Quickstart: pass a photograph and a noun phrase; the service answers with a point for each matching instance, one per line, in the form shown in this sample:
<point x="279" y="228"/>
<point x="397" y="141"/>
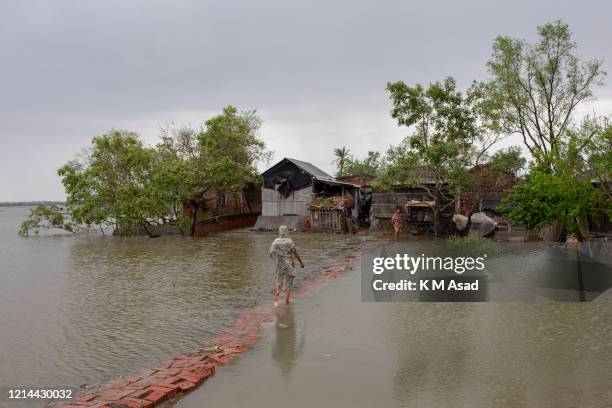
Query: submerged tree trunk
<point x="436" y="217"/>
<point x="145" y="226"/>
<point x="195" y="206"/>
<point x="583" y="232"/>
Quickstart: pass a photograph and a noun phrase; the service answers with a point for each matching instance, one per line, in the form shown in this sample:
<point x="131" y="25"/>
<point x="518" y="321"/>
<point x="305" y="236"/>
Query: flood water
<point x="334" y="350"/>
<point x="81" y="309"/>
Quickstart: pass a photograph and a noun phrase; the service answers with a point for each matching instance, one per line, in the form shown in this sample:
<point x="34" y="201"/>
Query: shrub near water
<point x="42" y="216"/>
<point x="472" y="245"/>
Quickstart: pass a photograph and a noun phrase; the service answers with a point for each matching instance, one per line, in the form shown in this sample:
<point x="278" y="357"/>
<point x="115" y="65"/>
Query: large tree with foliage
<point x="220" y="156"/>
<point x="121" y="183"/>
<point x="109" y="186"/>
<point x="538" y="87"/>
<point x="451" y="132"/>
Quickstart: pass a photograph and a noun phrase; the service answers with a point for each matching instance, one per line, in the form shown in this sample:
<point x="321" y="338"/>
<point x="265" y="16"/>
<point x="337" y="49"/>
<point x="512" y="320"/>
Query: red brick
<point x="187" y="376"/>
<point x="236" y="348"/>
<point x="87" y="397"/>
<point x="199" y="365"/>
<point x="101" y="404"/>
<point x="202" y="372"/>
<point x="119" y="394"/>
<point x="169" y="390"/>
<point x="129" y="402"/>
<point x="167" y="382"/>
<point x="219" y="358"/>
<point x="186" y="385"/>
<point x="136" y="403"/>
<point x="182" y="363"/>
<point x="144" y="382"/>
<point x="156" y="396"/>
<point x="140" y="393"/>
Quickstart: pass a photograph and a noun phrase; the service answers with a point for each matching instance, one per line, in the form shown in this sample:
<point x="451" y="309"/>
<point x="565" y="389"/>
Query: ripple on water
<point x="85" y="309"/>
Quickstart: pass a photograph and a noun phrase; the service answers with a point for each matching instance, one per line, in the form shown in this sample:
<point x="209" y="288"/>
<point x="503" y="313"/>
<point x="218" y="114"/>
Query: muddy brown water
<point x="85" y="309"/>
<point x="82" y="309"/>
<point x="332" y="350"/>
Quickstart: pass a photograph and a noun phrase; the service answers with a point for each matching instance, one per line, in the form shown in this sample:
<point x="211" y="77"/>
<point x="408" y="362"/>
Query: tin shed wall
<point x="274" y="204"/>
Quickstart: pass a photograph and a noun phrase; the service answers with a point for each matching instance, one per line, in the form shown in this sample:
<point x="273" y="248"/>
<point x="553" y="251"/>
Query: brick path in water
<point x="187" y="371"/>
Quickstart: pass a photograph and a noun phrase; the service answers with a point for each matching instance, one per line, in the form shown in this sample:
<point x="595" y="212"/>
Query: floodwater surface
<point x="86" y="308"/>
<point x="333" y="350"/>
<point x="83" y="309"/>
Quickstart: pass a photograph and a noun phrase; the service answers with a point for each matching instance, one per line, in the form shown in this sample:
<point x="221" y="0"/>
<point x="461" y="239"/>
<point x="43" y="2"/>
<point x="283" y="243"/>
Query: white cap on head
<point x="283" y="231"/>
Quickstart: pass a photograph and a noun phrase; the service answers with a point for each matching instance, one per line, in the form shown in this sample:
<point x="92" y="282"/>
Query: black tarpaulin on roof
<point x="286" y="177"/>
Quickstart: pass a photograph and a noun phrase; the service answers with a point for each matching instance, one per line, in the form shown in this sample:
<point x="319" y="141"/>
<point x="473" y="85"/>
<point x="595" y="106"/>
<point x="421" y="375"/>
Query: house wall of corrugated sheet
<point x="274" y="204"/>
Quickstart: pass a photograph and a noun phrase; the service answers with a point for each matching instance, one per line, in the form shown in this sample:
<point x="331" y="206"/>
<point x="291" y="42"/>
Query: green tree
<point x="546" y="198"/>
<point x="578" y="191"/>
<point x="371" y="164"/>
<point x="596" y="151"/>
<point x="110" y="185"/>
<point x="177" y="170"/>
<point x="450" y="134"/>
<point x="508" y="162"/>
<point x="537" y="87"/>
<point x="124" y="184"/>
<point x="342" y="156"/>
<point x="228" y="150"/>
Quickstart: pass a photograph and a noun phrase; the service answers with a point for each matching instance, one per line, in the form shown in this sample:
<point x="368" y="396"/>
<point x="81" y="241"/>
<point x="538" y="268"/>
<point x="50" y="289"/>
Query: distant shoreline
<point x="30" y="203"/>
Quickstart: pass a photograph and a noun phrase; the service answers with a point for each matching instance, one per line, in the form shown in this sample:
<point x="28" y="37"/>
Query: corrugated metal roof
<point x="310" y="168"/>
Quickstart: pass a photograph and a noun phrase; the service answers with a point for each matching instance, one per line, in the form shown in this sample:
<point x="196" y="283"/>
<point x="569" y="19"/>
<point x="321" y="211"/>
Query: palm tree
<point x="342" y="157"/>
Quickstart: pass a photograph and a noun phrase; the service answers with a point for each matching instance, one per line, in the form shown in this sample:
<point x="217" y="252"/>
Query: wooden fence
<point x="326" y="219"/>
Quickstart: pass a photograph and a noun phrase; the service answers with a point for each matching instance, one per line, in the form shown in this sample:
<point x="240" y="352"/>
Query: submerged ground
<point x="332" y="350"/>
<point x="84" y="309"/>
<point x="87" y="309"/>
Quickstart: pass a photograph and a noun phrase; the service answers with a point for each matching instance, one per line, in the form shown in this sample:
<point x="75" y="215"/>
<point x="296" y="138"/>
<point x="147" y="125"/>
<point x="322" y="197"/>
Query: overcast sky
<point x="315" y="70"/>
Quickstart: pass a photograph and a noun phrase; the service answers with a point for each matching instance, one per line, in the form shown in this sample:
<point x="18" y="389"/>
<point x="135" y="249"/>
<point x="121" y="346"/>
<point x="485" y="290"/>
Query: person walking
<point x="283" y="251"/>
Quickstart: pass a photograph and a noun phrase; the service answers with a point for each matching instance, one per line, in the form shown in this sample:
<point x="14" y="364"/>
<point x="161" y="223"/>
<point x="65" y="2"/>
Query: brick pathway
<point x="186" y="371"/>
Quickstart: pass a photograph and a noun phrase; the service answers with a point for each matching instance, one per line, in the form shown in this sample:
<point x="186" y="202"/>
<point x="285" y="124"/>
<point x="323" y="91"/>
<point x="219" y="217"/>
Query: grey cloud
<point x="316" y="70"/>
